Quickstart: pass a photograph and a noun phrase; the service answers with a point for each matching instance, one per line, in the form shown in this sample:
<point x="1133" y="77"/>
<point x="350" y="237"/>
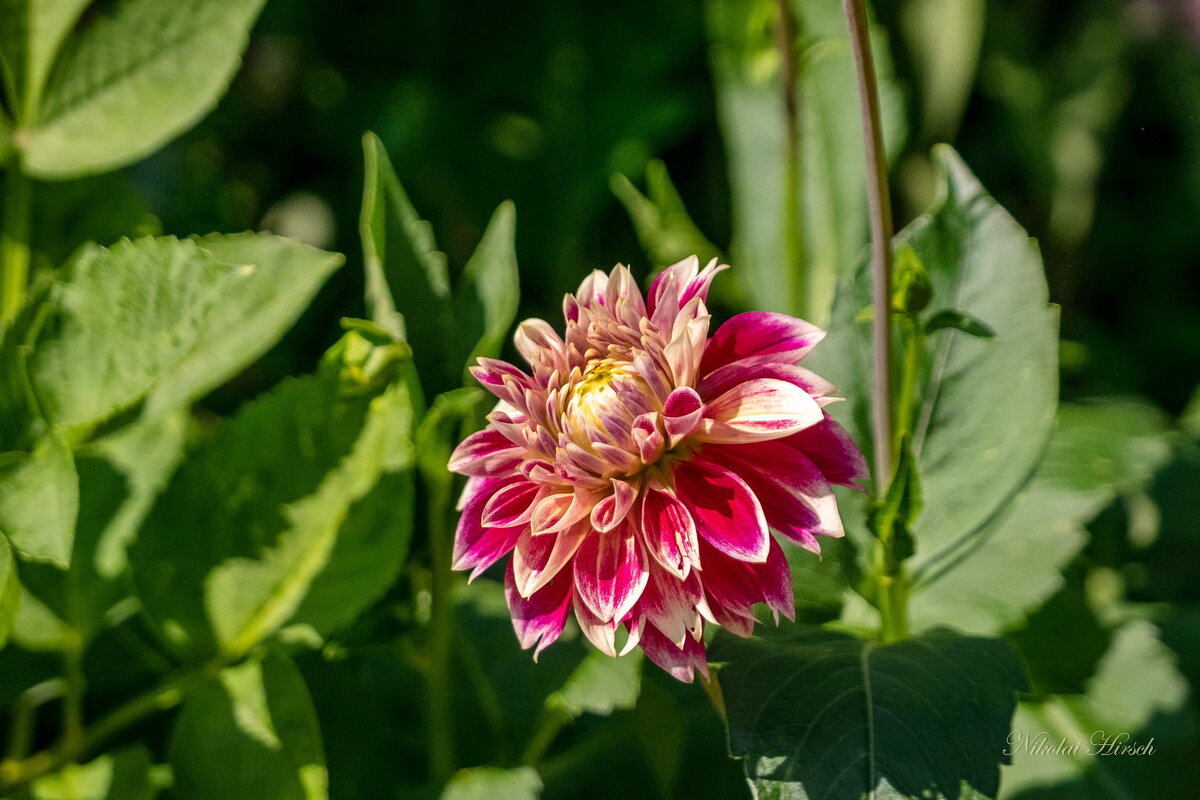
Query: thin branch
<point x="881" y="240"/>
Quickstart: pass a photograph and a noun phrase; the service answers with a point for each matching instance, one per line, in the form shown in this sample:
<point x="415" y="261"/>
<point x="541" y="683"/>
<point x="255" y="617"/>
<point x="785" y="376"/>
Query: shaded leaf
<point x="818" y="714"/>
<point x="10" y="590"/>
<point x="31" y="33"/>
<point x="962" y="321"/>
<point x="140" y="73"/>
<point x="1096" y="451"/>
<point x="251" y="732"/>
<point x="983" y="410"/>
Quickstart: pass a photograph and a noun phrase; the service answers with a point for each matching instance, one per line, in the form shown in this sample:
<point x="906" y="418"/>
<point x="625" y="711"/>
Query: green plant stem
<point x="73" y="730"/>
<point x="441" y="639"/>
<point x="893" y="604"/>
<point x="14" y="242"/>
<point x="15" y="774"/>
<point x="880" y="208"/>
<point x="914" y="346"/>
<point x="785" y="43"/>
<point x="552" y="722"/>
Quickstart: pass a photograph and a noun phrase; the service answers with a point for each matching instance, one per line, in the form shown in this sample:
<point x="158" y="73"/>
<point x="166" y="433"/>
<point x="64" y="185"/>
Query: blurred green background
<point x="1082" y="117"/>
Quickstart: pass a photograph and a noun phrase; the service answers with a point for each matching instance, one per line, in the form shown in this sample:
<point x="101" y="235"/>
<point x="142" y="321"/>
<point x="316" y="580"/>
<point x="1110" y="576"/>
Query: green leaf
<point x="1098" y="450"/>
<point x="31" y="33"/>
<point x="660" y="219"/>
<point x="983" y="410"/>
<point x="251" y="732"/>
<point x="600" y="685"/>
<point x="10" y="590"/>
<point x="961" y="321"/>
<point x="249" y="522"/>
<point x="137" y="75"/>
<point x="406" y="274"/>
<point x="493" y="783"/>
<point x="1137" y="690"/>
<point x="829" y="228"/>
<point x="119" y="478"/>
<point x="39" y="500"/>
<point x="204" y="309"/>
<point x="125" y="774"/>
<point x="818" y="714"/>
<point x="486" y="298"/>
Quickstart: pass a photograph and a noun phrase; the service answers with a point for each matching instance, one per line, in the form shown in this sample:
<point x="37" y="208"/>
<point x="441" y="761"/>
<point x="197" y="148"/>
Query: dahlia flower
<point x="635" y="471"/>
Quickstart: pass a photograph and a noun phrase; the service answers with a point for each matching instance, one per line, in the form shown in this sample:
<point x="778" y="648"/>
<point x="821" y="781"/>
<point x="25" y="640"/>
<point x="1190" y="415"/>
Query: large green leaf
<point x="493" y="783"/>
<point x="1097" y="451"/>
<point x="250" y="734"/>
<point x="31" y="32"/>
<point x="1137" y="690"/>
<point x="137" y="75"/>
<point x="406" y="274"/>
<point x="39" y="500"/>
<point x="983" y="409"/>
<point x="818" y="714"/>
<point x="830" y="222"/>
<point x="600" y="685"/>
<point x="249" y="522"/>
<point x="164" y="320"/>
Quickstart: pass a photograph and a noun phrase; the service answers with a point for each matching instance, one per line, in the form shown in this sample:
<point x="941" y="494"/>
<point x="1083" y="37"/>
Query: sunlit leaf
<point x="39" y="500"/>
<point x="493" y="783"/>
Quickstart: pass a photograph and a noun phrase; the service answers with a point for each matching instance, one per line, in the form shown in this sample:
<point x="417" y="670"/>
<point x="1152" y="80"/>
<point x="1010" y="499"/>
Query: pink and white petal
<point x="760" y="334"/>
<point x="485" y="453"/>
<point x="647" y="437"/>
<point x="611" y="572"/>
<point x="667" y="288"/>
<point x="557" y="512"/>
<point x="475" y="496"/>
<point x="727" y="514"/>
<point x="538" y="559"/>
<point x="670" y="605"/>
<point x="829" y="446"/>
<point x="538" y="619"/>
<point x="727" y="377"/>
<point x="679" y="662"/>
<point x="602" y="635"/>
<point x="795" y="496"/>
<point x="733" y="587"/>
<point x="612" y="510"/>
<point x="681" y="414"/>
<point x="758" y="410"/>
<point x="511" y="505"/>
<point x="669" y="532"/>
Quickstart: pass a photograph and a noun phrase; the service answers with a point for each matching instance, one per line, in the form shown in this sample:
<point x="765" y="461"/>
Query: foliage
<point x="225" y="518"/>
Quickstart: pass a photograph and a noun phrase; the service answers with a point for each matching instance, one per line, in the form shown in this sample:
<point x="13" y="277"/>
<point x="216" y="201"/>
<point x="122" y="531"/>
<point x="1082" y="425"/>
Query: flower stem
<point x="441" y="641"/>
<point x="14" y="243"/>
<point x="881" y="240"/>
<point x="785" y="42"/>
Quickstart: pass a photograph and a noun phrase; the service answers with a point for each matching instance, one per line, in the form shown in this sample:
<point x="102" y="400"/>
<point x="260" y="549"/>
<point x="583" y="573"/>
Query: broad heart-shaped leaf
<point x="494" y="783"/>
<point x="1096" y="451"/>
<point x="162" y="321"/>
<point x="39" y="500"/>
<point x="10" y="590"/>
<point x="251" y="732"/>
<point x="830" y="221"/>
<point x="1137" y="690"/>
<point x="252" y="519"/>
<point x="138" y="74"/>
<point x="486" y="298"/>
<point x="819" y="715"/>
<point x="406" y="274"/>
<point x="984" y="409"/>
<point x="125" y="774"/>
<point x="31" y="32"/>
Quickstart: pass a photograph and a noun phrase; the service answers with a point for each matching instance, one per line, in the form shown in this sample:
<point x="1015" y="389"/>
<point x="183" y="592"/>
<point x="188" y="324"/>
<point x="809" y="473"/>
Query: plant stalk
<point x="880" y="209"/>
<point x="785" y="43"/>
<point x="14" y="243"/>
<point x="441" y="641"/>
